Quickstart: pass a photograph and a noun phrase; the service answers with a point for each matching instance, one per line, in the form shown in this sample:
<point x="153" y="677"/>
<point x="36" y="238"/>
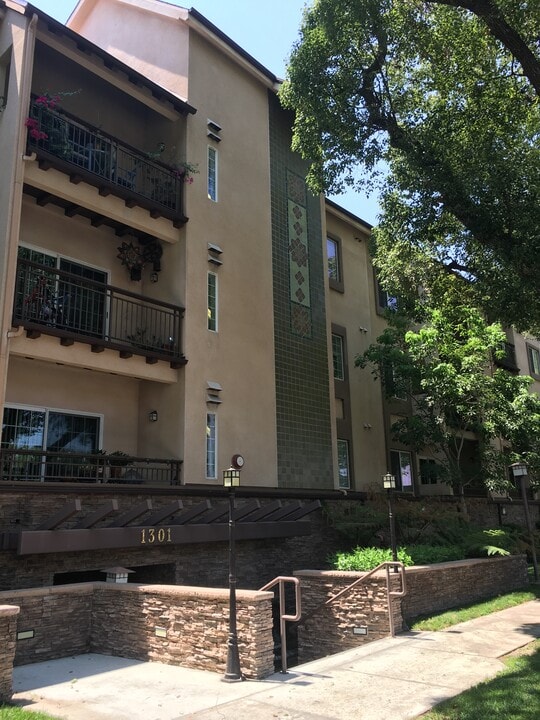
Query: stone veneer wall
<point x="116" y="619"/>
<point x="433" y="588"/>
<point x="430" y="588"/>
<point x="304" y="432"/>
<point x="200" y="564"/>
<point x="8" y="629"/>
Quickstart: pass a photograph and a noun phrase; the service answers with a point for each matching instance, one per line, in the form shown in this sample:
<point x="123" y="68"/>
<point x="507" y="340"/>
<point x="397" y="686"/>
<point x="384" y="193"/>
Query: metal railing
<point x="283" y="617"/>
<point x="56" y="302"/>
<point x="390" y="594"/>
<point x="104" y="156"/>
<point x="42" y="466"/>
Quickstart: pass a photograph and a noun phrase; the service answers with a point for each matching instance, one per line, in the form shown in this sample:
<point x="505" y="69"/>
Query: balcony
<point x="37" y="465"/>
<point x="85" y="153"/>
<point x="54" y="302"/>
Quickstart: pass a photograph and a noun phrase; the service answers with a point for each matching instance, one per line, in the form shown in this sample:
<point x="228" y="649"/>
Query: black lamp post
<point x="389" y="484"/>
<point x="519" y="471"/>
<point x="231" y="480"/>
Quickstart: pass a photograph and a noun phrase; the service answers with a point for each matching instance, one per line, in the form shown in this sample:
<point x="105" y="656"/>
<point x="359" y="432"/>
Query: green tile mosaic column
<point x="302" y="384"/>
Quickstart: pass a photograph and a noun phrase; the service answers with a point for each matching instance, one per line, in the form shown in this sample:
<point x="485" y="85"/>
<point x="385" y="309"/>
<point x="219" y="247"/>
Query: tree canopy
<point x="447" y="94"/>
<point x="447" y="374"/>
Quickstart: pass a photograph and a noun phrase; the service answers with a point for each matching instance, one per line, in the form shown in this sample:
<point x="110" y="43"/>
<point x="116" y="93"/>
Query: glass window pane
<point x="334" y="271"/>
<point x="72" y="433"/>
<point x="211" y="442"/>
<point x="212" y="174"/>
<point x="212" y="302"/>
<point x="343" y="464"/>
<point x="337" y="355"/>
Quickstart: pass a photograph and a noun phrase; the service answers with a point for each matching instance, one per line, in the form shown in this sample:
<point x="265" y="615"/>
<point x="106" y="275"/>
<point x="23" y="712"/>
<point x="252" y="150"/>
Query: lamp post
<point x="231" y="480"/>
<point x="519" y="470"/>
<point x="389" y="484"/>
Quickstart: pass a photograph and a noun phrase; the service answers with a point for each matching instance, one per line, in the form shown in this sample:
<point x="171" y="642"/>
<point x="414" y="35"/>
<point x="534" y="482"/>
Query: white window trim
<point x="63" y="411"/>
<point x="211" y="149"/>
<point x="216" y="308"/>
<point x="214" y="476"/>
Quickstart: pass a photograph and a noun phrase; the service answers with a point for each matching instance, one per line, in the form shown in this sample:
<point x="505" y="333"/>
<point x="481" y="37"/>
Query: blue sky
<point x="266" y="30"/>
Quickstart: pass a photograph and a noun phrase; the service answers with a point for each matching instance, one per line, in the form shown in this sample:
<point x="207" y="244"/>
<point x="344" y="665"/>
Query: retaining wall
<point x="361" y="615"/>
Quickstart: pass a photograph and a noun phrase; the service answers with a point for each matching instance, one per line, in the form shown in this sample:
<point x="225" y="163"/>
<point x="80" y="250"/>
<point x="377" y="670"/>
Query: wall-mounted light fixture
<point x="153" y="415"/>
<point x="154" y="277"/>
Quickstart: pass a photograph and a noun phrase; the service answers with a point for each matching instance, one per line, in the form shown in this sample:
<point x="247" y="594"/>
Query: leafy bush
<point x="367" y="558"/>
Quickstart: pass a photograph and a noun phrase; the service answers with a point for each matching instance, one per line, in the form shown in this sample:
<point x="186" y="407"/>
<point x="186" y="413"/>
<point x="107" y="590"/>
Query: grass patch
<point x="475" y="610"/>
<point x="513" y="695"/>
<point x="11" y="712"/>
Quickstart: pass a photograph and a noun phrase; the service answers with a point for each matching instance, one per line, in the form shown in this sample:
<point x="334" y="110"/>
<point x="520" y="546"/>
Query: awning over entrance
<point x="71" y="529"/>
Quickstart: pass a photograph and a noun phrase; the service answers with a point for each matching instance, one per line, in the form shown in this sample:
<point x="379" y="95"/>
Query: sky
<point x="266" y="30"/>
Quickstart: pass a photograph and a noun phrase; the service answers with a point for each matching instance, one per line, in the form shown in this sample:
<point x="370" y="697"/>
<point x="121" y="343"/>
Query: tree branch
<point x="500" y="28"/>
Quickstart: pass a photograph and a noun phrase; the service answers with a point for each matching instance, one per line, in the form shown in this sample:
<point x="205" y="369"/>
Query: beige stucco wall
<point x="354" y="310"/>
<point x="240" y="356"/>
<point x="16" y="43"/>
<point x="39" y="384"/>
<point x="147" y="36"/>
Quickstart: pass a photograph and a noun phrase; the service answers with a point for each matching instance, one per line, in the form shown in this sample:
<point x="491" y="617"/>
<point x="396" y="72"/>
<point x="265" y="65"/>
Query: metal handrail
<point x="57" y="302"/>
<point x="399" y="567"/>
<point x="283" y="617"/>
<point x="43" y="466"/>
<point x="94" y="151"/>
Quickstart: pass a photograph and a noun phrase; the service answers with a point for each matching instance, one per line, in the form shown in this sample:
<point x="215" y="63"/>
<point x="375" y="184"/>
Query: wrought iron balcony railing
<point x="54" y="302"/>
<point x="107" y="163"/>
<point x="38" y="465"/>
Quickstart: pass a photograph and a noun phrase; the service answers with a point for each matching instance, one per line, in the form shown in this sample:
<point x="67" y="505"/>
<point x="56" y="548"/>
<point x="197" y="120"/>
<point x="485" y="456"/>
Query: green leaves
<point x="448" y="98"/>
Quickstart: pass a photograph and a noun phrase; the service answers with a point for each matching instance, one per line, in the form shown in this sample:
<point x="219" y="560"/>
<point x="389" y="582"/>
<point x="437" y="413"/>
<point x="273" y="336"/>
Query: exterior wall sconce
<point x="153" y="415"/>
<point x="154" y="277"/>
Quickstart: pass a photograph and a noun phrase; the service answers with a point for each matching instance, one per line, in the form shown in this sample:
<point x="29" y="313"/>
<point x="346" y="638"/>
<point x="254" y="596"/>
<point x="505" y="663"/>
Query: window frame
<point x="336" y="283"/>
<point x="341" y="339"/>
<point x="209" y="307"/>
<point x="212" y="173"/>
<point x="344" y="443"/>
<point x="398" y="476"/>
<point x="531" y="351"/>
<point x="211" y="452"/>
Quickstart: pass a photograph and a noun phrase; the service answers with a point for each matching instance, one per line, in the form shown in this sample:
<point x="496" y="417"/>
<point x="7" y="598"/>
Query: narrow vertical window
<point x="211" y="446"/>
<point x="343" y="464"/>
<point x="337" y="355"/>
<point x="335" y="274"/>
<point x="212" y="301"/>
<point x="5" y="66"/>
<point x="212" y="173"/>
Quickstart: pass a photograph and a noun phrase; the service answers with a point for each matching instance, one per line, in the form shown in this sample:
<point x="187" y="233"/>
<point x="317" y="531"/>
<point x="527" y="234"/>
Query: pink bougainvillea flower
<point x="31" y="123"/>
<point x="42" y="100"/>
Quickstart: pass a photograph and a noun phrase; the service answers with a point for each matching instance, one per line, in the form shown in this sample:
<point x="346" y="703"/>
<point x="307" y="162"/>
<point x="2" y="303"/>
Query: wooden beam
<point x="60" y="516"/>
<point x="132" y="514"/>
<point x="265" y="510"/>
<point x="102" y="512"/>
<point x="40" y="542"/>
<point x="165" y="512"/>
<point x="192" y="512"/>
<point x="286" y="510"/>
<point x="304" y="510"/>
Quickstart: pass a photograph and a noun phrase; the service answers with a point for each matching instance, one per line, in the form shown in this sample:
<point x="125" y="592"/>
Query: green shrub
<point x="367" y="558"/>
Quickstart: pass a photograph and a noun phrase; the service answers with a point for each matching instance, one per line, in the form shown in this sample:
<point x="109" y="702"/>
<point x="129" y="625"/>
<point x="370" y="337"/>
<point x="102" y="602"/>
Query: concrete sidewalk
<point x="391" y="679"/>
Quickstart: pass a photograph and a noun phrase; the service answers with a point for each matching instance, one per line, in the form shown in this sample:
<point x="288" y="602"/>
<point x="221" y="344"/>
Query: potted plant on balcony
<point x="117" y="460"/>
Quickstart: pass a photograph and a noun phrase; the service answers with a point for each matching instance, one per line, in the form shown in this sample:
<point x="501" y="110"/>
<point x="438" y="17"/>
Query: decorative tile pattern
<point x="304" y="430"/>
<point x="298" y="255"/>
